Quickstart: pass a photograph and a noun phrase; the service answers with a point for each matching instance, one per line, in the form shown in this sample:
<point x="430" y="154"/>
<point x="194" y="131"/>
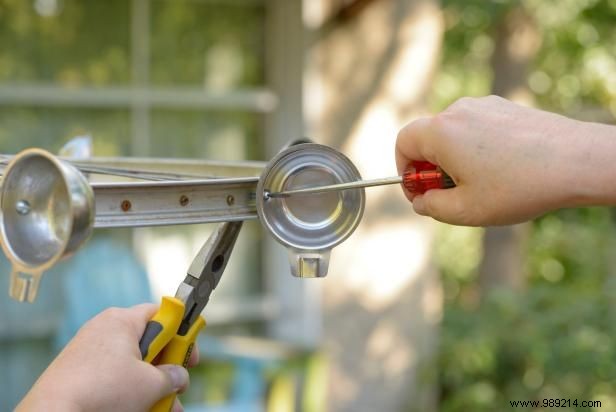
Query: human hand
<point x="101" y="369"/>
<point x="510" y="163"/>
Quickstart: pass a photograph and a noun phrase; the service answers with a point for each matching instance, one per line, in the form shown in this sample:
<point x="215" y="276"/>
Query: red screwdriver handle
<point x="421" y="176"/>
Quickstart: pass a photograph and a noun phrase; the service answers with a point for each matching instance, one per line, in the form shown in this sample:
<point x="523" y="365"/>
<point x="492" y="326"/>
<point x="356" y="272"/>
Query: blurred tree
<point x="516" y="42"/>
<point x="362" y="84"/>
<point x="554" y="339"/>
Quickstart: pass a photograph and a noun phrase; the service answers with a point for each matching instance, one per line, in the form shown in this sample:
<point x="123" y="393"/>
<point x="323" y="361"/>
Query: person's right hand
<point x="101" y="369"/>
<point x="510" y="163"/>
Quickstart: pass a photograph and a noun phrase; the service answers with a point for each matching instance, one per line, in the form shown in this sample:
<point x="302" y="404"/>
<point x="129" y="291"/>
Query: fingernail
<point x="178" y="376"/>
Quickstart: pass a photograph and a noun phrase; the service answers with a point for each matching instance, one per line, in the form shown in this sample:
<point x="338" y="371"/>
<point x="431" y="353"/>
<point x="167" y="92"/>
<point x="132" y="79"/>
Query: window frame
<point x="291" y="307"/>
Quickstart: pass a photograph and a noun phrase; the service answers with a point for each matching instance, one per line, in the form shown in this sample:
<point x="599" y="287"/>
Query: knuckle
<point x="411" y="128"/>
<point x="461" y="104"/>
<point x="109" y="315"/>
<point x="402" y="134"/>
<point x="440" y="122"/>
<point x="445" y="126"/>
<point x="112" y="313"/>
<point x="492" y="98"/>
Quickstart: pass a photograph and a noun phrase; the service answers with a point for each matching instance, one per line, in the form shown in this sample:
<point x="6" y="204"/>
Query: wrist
<point x="51" y="398"/>
<point x="590" y="173"/>
<point x="50" y="402"/>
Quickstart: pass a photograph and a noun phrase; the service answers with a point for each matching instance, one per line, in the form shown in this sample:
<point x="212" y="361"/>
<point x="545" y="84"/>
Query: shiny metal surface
<point x="309" y="226"/>
<point x="136" y="204"/>
<point x="157" y="169"/>
<point x="49" y="208"/>
<point x="338" y="187"/>
<point x="47" y="212"/>
<point x="205" y="272"/>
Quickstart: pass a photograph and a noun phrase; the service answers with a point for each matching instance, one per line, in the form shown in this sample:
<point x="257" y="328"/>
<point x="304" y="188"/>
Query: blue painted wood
<point x="232" y="406"/>
<point x="26" y="335"/>
<point x="103" y="275"/>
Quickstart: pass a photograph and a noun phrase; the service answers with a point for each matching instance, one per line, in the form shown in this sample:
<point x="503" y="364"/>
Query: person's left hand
<point x="101" y="369"/>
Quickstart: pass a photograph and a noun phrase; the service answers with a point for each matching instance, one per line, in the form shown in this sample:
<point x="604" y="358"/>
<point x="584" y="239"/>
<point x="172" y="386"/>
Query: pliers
<point x="170" y="335"/>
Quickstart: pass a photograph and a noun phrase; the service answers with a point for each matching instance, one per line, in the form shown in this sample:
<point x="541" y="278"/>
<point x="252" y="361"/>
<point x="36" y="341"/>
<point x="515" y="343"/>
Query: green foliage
<point x="458" y="252"/>
<point x="573" y="72"/>
<point x="575" y="69"/>
<point x="556" y="338"/>
<point x="89" y="43"/>
<point x="233" y="51"/>
<point x="77" y="43"/>
<point x="553" y="340"/>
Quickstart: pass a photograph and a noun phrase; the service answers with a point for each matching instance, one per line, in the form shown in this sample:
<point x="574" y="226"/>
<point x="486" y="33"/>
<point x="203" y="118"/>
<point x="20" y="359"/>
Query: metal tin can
<point x="309" y="225"/>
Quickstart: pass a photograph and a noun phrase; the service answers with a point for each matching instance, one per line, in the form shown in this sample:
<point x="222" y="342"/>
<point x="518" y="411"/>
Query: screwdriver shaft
<point x="340" y="186"/>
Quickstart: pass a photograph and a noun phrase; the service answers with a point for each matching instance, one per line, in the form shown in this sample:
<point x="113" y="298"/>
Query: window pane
<point x="212" y="44"/>
<point x="68" y="42"/>
<point x="49" y="128"/>
<point x="206" y="135"/>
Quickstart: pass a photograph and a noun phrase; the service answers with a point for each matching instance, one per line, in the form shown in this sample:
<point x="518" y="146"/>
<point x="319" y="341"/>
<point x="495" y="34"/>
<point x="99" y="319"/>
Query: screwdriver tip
<point x="269" y="195"/>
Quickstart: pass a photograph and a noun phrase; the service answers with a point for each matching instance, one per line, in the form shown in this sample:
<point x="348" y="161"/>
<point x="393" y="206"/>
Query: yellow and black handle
<point x="161" y="344"/>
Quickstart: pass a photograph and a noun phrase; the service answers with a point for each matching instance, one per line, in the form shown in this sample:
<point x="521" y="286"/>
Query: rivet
<point x="22" y="207"/>
<point x="184" y="200"/>
<point x="126" y="205"/>
<point x="230" y="200"/>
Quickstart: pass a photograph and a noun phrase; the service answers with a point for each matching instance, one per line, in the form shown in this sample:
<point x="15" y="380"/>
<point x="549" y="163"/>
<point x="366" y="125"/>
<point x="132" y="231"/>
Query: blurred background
<point x="414" y="315"/>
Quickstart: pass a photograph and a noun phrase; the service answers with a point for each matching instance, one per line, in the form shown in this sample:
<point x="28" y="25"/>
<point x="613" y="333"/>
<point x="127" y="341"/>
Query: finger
<point x="139" y="316"/>
<point x="194" y="357"/>
<point x="177" y="406"/>
<point x="157" y="382"/>
<point x="410" y="196"/>
<point x="174" y="378"/>
<point x="413" y="143"/>
<point x="169" y="379"/>
<point x="444" y="205"/>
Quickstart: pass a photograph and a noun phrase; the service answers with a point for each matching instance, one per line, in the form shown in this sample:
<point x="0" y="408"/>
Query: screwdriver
<point x="418" y="178"/>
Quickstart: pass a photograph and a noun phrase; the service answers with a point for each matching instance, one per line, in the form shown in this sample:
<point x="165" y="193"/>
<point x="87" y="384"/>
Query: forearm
<point x="590" y="176"/>
<point x="41" y="398"/>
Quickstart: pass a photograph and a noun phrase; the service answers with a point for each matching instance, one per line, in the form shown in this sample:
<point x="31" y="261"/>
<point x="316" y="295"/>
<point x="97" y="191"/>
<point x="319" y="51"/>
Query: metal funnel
<point x="47" y="212"/>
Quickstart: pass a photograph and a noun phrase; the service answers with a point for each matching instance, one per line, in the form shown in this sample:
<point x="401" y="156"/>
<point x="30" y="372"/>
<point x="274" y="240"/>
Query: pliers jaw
<point x="205" y="272"/>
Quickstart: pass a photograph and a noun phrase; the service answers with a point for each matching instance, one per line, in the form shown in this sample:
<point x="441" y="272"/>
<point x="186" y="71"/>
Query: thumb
<point x="164" y="380"/>
<point x="177" y="376"/>
<point x="444" y="205"/>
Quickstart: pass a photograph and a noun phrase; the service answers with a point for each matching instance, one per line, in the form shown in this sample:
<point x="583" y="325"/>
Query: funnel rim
<point x="18" y="263"/>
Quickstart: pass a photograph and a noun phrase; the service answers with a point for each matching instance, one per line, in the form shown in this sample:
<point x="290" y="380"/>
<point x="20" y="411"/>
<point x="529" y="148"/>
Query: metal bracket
<point x="174" y="203"/>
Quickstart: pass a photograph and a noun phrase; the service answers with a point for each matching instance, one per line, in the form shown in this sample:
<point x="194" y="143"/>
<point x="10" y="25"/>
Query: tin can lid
<point x="315" y="222"/>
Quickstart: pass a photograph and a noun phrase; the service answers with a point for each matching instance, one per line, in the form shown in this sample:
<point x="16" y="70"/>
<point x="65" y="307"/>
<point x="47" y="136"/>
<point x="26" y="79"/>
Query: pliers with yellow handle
<point x="170" y="335"/>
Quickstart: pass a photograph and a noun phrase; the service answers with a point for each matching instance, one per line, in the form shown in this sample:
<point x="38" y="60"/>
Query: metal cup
<point x="47" y="211"/>
<point x="309" y="225"/>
